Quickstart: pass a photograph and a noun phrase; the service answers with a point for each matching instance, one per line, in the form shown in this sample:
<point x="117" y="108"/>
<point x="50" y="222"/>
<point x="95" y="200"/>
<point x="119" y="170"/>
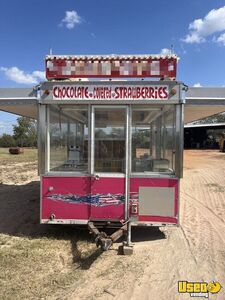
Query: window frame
<point x="176" y="160"/>
<point x="72" y="173"/>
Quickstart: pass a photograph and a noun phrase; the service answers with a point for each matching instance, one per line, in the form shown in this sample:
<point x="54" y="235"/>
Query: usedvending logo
<point x="199" y="289"/>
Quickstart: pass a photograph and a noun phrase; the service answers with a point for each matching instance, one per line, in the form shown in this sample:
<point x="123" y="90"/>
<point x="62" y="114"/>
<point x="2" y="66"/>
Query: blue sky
<point x="28" y="28"/>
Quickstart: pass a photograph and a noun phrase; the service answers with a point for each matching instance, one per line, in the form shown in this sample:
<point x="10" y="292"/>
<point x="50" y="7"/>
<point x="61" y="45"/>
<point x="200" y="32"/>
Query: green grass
<point x="29" y="155"/>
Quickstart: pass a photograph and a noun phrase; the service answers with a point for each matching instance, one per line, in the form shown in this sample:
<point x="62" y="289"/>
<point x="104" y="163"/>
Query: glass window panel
<point x="110" y="139"/>
<point x="68" y="130"/>
<point x="153" y="139"/>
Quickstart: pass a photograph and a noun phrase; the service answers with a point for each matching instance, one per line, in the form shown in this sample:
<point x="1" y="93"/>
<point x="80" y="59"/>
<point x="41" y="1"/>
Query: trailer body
<point x="110" y="151"/>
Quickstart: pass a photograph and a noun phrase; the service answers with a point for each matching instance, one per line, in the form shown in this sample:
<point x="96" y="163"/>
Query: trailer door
<point x="66" y="184"/>
<point x="108" y="162"/>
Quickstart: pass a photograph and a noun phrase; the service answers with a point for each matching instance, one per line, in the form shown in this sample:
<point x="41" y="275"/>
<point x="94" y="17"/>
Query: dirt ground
<point x="61" y="262"/>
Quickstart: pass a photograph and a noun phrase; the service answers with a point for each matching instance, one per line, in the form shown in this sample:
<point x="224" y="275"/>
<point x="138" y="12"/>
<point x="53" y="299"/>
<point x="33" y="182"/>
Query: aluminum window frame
<point x="61" y="173"/>
<point x="177" y="139"/>
<point x="107" y="174"/>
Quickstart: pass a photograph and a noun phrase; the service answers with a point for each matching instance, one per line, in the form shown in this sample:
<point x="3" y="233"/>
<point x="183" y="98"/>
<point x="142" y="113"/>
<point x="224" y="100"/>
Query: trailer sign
<point x="110" y="92"/>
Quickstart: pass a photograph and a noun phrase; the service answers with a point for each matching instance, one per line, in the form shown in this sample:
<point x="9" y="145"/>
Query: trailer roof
<point x="202" y="102"/>
<point x="113" y="56"/>
<point x="19" y="101"/>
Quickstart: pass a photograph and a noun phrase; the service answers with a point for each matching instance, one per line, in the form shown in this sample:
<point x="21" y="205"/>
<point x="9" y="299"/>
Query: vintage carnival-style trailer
<point x="110" y="150"/>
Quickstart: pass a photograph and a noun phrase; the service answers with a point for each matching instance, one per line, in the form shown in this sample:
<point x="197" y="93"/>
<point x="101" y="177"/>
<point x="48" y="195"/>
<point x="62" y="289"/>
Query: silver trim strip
<point x="110" y="102"/>
<point x="47" y="166"/>
<point x="204" y="98"/>
<point x="92" y="139"/>
<point x="152" y="175"/>
<point x="101" y="174"/>
<point x="89" y="139"/>
<point x="65" y="174"/>
<point x="156" y="224"/>
<point x="64" y="221"/>
<point x="127" y="165"/>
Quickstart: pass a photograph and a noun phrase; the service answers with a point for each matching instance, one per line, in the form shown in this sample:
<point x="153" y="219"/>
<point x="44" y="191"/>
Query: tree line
<point x="219" y="118"/>
<point x="24" y="134"/>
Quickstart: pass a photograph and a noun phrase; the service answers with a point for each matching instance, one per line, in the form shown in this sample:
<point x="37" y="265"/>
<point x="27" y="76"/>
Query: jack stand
<point x="127" y="247"/>
<point x="102" y="239"/>
<point x="129" y="233"/>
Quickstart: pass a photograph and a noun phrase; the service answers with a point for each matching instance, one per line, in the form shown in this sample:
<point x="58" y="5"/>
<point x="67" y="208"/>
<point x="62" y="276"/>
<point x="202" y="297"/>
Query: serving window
<point x="151" y="130"/>
<point x="110" y="139"/>
<point x="153" y="139"/>
<point x="68" y="135"/>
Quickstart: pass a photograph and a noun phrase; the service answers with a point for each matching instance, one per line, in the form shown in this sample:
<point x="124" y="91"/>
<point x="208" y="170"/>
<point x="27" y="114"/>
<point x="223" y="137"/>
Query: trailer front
<point x="110" y="152"/>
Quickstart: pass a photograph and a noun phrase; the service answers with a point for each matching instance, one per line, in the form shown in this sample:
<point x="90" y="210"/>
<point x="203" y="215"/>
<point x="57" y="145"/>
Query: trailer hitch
<point x="102" y="239"/>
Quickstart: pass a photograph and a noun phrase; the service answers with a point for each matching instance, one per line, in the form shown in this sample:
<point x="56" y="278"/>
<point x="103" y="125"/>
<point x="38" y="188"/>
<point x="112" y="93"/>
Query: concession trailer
<point x="110" y="142"/>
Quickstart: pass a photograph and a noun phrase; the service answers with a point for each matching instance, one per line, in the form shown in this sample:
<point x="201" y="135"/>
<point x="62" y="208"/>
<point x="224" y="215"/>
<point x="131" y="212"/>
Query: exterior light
<point x="173" y="91"/>
<point x="46" y="92"/>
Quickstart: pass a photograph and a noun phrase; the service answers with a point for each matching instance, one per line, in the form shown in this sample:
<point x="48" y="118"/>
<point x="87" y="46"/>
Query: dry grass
<point x="36" y="261"/>
<point x="216" y="187"/>
<point x="38" y="268"/>
<point x="29" y="155"/>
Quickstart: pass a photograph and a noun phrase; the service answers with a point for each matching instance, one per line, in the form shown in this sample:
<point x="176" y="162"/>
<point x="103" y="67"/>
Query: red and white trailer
<point x="110" y="151"/>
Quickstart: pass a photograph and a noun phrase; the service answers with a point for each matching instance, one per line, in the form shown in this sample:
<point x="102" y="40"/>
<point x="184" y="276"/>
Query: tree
<point x="25" y="133"/>
<point x="219" y="118"/>
<point x="32" y="134"/>
<point x="7" y="141"/>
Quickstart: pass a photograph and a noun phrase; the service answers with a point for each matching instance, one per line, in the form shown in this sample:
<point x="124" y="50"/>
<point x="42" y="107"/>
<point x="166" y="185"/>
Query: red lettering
<point x="117" y="93"/>
<point x="143" y="93"/>
<point x="71" y="92"/>
<point x="146" y="92"/>
<point x="67" y="92"/>
<point x="151" y="93"/>
<point x="129" y="93"/>
<point x="55" y="90"/>
<point x="86" y="93"/>
<point x="102" y="92"/>
<point x="63" y="92"/>
<point x="165" y="92"/>
<point x="121" y="92"/>
<point x="160" y="93"/>
<point x="138" y="93"/>
<point x="125" y="93"/>
<point x="156" y="93"/>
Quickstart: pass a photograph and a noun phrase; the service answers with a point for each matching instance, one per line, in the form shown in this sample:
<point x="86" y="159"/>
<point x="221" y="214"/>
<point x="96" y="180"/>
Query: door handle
<point x="96" y="177"/>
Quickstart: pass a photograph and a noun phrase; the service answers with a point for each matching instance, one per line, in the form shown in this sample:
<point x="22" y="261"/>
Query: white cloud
<point x="39" y="74"/>
<point x="71" y="19"/>
<point x="221" y="39"/>
<point x="6" y="127"/>
<point x="19" y="76"/>
<point x="197" y="85"/>
<point x="165" y="51"/>
<point x="212" y="23"/>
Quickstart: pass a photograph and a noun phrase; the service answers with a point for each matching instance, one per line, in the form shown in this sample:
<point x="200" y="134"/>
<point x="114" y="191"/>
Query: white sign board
<point x="110" y="92"/>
